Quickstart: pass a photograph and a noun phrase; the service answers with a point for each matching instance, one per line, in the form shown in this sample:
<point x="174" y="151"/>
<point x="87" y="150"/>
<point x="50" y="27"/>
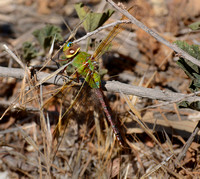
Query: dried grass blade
<point x="30" y="141"/>
<point x="157" y="167"/>
<point x="14" y="56"/>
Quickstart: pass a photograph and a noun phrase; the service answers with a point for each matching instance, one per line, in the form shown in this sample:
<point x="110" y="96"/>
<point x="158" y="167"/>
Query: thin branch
<point x="189" y="142"/>
<point x="100" y="29"/>
<point x="111" y="86"/>
<point x="115" y="86"/>
<point x="154" y="34"/>
<point x="173" y="101"/>
<point x="17" y="107"/>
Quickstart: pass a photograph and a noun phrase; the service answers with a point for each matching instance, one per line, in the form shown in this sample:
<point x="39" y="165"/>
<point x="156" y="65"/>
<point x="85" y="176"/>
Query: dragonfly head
<point x="71" y="49"/>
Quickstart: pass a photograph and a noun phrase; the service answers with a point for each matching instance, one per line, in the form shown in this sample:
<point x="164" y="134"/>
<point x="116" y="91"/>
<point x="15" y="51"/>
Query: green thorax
<point x="83" y="64"/>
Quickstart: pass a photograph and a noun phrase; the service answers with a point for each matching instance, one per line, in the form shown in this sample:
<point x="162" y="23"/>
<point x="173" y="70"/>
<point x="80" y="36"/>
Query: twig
<point x="100" y="29"/>
<point x="173" y="101"/>
<point x="154" y="34"/>
<point x="189" y="142"/>
<point x="114" y="86"/>
<point x="14" y="56"/>
<point x="17" y="107"/>
<point x="15" y="129"/>
<point x="111" y="86"/>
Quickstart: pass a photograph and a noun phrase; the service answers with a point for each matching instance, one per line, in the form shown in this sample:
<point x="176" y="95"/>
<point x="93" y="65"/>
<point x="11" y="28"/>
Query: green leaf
<point x="193" y="50"/>
<point x="195" y="26"/>
<point x="193" y="105"/>
<point x="91" y="20"/>
<point x="29" y="51"/>
<point x="46" y="35"/>
<point x="191" y="70"/>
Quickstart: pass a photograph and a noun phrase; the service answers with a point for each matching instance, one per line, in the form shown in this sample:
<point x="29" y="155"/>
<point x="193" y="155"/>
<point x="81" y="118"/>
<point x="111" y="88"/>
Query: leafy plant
<point x="191" y="70"/>
<point x="29" y="51"/>
<point x="91" y="20"/>
<point x="195" y="26"/>
<point x="46" y="35"/>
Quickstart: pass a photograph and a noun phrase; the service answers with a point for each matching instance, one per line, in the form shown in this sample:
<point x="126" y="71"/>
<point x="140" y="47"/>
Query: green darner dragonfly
<point x="85" y="65"/>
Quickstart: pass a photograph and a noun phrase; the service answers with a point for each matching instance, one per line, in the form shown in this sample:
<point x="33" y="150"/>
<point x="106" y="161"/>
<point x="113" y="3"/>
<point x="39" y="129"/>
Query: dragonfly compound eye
<point x="69" y="44"/>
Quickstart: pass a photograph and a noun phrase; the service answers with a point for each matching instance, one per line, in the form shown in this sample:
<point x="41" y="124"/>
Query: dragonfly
<point x="86" y="66"/>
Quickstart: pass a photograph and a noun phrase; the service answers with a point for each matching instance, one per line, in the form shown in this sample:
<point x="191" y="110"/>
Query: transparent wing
<point x="106" y="42"/>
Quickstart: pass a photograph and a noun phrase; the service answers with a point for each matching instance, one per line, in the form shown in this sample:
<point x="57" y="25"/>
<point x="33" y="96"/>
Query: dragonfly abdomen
<point x="117" y="133"/>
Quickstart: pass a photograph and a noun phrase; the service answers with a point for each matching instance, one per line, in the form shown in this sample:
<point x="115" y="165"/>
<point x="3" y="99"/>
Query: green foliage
<point x="46" y="35"/>
<point x="91" y="20"/>
<point x="193" y="50"/>
<point x="192" y="105"/>
<point x="195" y="26"/>
<point x="29" y="51"/>
<point x="191" y="70"/>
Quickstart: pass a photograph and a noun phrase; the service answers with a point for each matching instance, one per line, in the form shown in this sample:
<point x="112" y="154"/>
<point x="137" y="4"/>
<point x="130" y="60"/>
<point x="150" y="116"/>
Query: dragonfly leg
<point x="77" y="76"/>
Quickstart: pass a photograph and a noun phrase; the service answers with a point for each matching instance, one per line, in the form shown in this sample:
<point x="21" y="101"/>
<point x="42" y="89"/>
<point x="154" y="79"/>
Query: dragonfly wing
<point x="106" y="42"/>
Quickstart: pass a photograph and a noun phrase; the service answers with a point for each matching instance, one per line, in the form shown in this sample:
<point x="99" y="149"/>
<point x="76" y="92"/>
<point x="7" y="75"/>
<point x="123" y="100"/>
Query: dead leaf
<point x="114" y="167"/>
